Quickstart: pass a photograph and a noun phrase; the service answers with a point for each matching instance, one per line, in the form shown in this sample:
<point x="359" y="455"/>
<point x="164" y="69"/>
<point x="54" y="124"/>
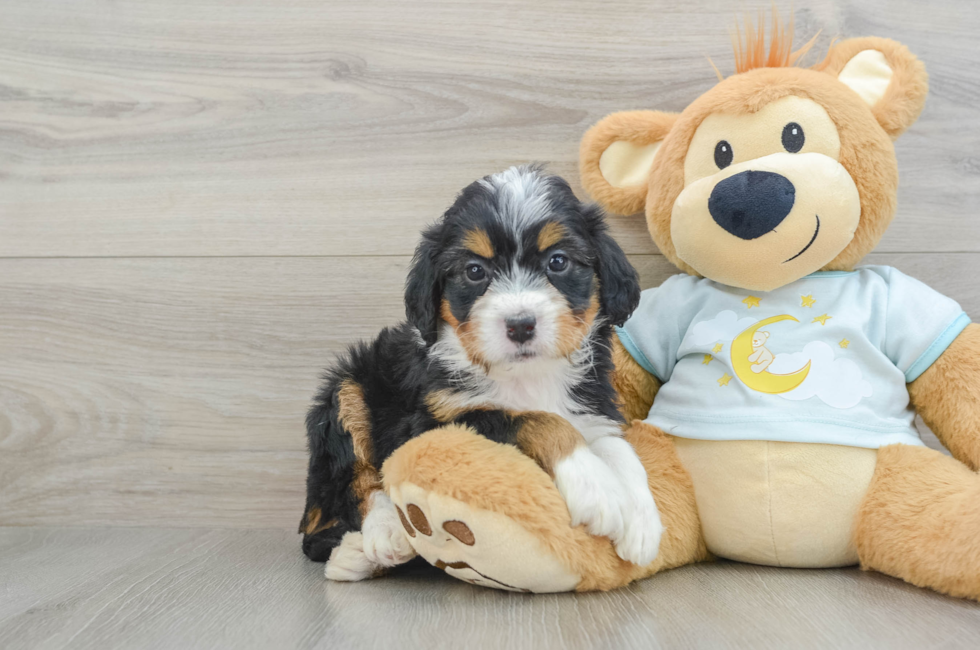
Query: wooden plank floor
<point x="181" y="588"/>
<point x="202" y="202"/>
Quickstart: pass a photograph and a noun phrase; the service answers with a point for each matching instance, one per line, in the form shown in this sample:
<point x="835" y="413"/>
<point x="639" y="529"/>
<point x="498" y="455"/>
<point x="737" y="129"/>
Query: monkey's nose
<point x="521" y="328"/>
<point x="751" y="203"/>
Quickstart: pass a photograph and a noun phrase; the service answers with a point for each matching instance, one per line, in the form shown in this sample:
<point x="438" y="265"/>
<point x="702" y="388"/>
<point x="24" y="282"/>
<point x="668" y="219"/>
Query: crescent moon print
<point x="750" y="358"/>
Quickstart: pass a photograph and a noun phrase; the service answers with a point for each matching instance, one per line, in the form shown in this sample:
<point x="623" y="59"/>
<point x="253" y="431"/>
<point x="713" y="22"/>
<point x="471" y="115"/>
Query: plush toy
<point x="786" y="378"/>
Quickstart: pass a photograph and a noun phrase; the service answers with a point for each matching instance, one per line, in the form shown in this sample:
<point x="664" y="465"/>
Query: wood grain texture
<point x="247" y="127"/>
<point x="172" y="391"/>
<point x="166" y="588"/>
<point x="202" y="202"/>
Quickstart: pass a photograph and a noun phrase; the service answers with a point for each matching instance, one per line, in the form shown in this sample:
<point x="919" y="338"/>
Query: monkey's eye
<point x="475" y="272"/>
<point x="557" y="263"/>
<point x="723" y="154"/>
<point x="793" y="137"/>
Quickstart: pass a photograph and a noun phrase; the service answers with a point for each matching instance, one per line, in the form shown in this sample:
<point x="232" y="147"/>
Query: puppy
<point x="511" y="300"/>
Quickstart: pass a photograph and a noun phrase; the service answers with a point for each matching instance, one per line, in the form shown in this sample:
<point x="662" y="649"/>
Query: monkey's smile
<point x="812" y="239"/>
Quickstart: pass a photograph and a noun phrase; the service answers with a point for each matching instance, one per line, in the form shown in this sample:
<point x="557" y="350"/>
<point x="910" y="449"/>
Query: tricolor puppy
<point x="511" y="300"/>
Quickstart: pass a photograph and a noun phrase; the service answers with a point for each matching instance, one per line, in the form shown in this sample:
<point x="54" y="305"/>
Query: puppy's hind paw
<point x="385" y="542"/>
<point x="347" y="562"/>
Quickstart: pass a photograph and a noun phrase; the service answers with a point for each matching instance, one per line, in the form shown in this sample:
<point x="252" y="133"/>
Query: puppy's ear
<point x="423" y="289"/>
<point x="619" y="284"/>
<point x="616" y="156"/>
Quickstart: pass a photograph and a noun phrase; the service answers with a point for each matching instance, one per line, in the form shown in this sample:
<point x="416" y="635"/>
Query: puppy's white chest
<point x="544" y="393"/>
<point x="553" y="396"/>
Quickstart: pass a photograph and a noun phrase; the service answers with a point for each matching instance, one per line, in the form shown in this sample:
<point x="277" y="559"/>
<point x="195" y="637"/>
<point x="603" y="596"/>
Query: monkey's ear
<point x="889" y="78"/>
<point x="616" y="156"/>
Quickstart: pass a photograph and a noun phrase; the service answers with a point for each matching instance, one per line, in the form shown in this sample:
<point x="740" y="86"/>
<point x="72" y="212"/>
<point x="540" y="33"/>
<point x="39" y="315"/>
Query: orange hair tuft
<point x="750" y="53"/>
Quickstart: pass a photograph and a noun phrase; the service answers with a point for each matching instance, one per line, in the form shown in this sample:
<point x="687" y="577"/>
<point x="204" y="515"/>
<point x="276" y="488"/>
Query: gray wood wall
<point x="202" y="202"/>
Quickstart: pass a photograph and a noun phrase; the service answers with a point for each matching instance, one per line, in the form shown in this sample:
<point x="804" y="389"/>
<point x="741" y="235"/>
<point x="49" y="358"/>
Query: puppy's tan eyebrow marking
<point x="478" y="241"/>
<point x="550" y="234"/>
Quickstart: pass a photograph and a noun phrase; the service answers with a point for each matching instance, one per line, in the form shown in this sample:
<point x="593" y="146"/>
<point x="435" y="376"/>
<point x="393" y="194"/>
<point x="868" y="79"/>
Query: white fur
<point x="640" y="542"/>
<point x="594" y="496"/>
<point x="380" y="543"/>
<point x="523" y="195"/>
<point x="385" y="543"/>
<point x="540" y="384"/>
<point x="347" y="561"/>
<point x="605" y="486"/>
<point x="514" y="294"/>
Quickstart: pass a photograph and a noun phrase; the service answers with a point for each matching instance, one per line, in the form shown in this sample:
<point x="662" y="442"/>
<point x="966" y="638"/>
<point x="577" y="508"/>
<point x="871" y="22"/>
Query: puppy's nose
<point x="521" y="328"/>
<point x="751" y="203"/>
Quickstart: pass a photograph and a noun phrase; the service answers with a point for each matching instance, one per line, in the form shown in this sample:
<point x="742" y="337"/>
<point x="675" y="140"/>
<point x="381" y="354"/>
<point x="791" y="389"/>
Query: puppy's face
<point x="520" y="270"/>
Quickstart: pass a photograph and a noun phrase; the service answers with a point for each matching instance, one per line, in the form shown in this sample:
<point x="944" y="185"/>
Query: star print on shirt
<point x="707" y="359"/>
<point x="751" y="301"/>
<point x="844" y="343"/>
<point x="822" y="319"/>
<point x="725" y="378"/>
<point x="717" y="348"/>
<point x="807" y="301"/>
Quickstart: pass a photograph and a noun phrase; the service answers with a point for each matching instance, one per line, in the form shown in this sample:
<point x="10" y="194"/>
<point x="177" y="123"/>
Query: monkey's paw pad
<point x="478" y="546"/>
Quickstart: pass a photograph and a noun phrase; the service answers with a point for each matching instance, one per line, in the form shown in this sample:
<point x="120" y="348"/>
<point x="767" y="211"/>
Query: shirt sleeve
<point x="920" y="323"/>
<point x="654" y="332"/>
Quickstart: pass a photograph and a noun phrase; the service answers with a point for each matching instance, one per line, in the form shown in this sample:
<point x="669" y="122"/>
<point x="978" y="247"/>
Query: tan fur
<point x="905" y="97"/>
<point x="465" y="333"/>
<point x="549" y="235"/>
<point x="636" y="387"/>
<point x="547" y="438"/>
<point x="329" y="524"/>
<point x="920" y="521"/>
<point x="445" y="406"/>
<point x="478" y="242"/>
<point x="866" y="149"/>
<point x="310" y="520"/>
<point x="457" y="462"/>
<point x="574" y="325"/>
<point x="947" y="396"/>
<point x="354" y="416"/>
<point x="640" y="128"/>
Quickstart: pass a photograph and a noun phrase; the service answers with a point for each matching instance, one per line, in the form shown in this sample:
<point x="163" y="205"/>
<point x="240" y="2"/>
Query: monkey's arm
<point x="636" y="386"/>
<point x="947" y="396"/>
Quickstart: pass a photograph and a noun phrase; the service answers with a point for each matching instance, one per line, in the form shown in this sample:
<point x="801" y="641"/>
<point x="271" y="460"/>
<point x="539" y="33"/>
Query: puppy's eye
<point x="793" y="137"/>
<point x="723" y="154"/>
<point x="475" y="272"/>
<point x="557" y="263"/>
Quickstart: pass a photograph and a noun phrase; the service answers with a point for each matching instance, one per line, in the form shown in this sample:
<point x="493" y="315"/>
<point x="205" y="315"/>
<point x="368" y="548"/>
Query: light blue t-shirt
<point x="825" y="359"/>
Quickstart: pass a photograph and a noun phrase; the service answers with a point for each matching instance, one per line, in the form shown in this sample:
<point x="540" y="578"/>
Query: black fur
<point x="397" y="371"/>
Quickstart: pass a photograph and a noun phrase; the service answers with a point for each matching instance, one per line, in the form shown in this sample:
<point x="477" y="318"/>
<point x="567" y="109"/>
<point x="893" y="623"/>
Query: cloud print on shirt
<point x="838" y="383"/>
<point x="723" y="327"/>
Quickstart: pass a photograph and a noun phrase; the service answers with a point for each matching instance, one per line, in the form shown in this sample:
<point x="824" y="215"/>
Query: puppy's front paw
<point x="594" y="496"/>
<point x="347" y="562"/>
<point x="640" y="543"/>
<point x="384" y="539"/>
